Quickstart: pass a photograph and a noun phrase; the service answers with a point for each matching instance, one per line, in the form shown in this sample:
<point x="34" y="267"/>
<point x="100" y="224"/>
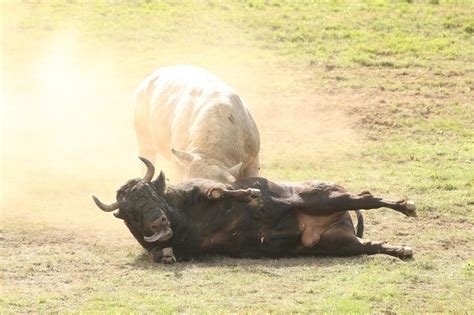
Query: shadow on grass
<point x="143" y="262"/>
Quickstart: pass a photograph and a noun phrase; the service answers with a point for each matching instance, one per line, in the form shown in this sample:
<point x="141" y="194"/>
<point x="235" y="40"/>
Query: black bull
<point x="249" y="218"/>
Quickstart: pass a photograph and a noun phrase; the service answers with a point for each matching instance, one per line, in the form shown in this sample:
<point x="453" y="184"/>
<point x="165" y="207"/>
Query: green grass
<point x="100" y="275"/>
<point x="399" y="72"/>
<point x="368" y="33"/>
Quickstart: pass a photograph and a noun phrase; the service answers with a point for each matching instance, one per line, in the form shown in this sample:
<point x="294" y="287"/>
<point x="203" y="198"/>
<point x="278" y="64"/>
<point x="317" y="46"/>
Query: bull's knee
<point x="215" y="193"/>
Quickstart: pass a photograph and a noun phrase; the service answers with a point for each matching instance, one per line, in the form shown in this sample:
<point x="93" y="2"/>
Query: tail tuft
<point x="360" y="224"/>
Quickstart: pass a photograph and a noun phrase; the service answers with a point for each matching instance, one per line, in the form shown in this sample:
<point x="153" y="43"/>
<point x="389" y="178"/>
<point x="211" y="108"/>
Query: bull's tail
<point x="360" y="224"/>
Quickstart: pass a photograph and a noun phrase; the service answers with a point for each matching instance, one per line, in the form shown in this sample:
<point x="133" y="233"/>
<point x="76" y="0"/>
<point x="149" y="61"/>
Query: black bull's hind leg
<point x="367" y="201"/>
<point x="250" y="196"/>
<point x="341" y="241"/>
<point x="320" y="198"/>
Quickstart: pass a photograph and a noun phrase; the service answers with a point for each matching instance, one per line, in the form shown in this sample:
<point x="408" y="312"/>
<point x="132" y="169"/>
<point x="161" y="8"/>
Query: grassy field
<point x="374" y="95"/>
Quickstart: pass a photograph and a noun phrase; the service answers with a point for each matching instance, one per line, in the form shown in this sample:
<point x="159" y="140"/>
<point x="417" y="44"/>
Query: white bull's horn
<point x="150" y="169"/>
<point x="103" y="206"/>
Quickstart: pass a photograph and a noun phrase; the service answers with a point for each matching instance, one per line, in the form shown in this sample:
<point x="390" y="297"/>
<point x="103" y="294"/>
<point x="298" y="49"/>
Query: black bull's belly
<point x="308" y="218"/>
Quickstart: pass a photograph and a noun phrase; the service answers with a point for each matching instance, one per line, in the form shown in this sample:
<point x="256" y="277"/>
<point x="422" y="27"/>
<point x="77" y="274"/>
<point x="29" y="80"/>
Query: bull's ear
<point x="182" y="157"/>
<point x="160" y="183"/>
<point x="235" y="170"/>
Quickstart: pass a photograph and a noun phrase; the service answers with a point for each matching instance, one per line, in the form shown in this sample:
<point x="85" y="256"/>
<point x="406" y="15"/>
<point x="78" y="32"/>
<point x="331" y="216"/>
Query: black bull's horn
<point x="105" y="207"/>
<point x="114" y="206"/>
<point x="150" y="169"/>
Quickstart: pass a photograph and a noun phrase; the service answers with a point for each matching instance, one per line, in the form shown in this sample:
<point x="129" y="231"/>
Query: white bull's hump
<point x="183" y="83"/>
<point x="186" y="79"/>
<point x="181" y="94"/>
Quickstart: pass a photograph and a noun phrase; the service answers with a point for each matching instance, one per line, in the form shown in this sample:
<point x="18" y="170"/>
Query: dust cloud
<point x="67" y="112"/>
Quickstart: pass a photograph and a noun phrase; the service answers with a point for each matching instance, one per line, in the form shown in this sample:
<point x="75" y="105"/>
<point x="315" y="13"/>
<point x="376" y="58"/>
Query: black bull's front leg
<point x="321" y="199"/>
<point x="239" y="194"/>
<point x="217" y="191"/>
<point x="164" y="255"/>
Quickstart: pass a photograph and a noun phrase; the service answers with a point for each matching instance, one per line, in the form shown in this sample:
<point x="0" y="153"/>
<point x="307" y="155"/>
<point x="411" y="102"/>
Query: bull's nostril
<point x="159" y="223"/>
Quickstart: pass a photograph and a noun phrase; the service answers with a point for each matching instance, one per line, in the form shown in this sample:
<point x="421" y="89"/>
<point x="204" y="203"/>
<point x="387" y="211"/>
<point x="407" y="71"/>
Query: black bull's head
<point x="141" y="205"/>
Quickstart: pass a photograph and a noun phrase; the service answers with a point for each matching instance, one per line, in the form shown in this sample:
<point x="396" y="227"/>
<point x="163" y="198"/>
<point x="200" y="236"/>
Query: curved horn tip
<point x="144" y="160"/>
<point x="150" y="169"/>
<point x="103" y="206"/>
<point x="96" y="200"/>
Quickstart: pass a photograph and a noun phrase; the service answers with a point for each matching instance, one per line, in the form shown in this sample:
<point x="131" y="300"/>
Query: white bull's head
<point x="195" y="166"/>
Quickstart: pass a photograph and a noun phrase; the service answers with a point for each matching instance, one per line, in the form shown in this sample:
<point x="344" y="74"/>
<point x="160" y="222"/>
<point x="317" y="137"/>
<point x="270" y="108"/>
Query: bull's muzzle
<point x="162" y="230"/>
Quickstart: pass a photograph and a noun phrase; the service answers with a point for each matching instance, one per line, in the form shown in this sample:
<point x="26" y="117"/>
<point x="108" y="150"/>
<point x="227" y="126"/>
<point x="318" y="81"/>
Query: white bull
<point x="201" y="119"/>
